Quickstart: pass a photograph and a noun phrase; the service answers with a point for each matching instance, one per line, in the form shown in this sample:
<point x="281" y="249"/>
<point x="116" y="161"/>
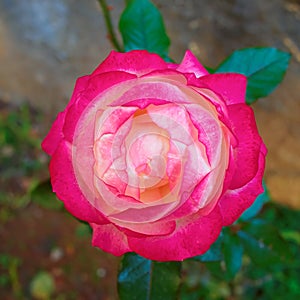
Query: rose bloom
<point x="156" y="156"/>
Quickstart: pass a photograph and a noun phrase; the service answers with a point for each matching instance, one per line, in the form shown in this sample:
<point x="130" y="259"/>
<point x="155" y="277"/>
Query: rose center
<point x="147" y="153"/>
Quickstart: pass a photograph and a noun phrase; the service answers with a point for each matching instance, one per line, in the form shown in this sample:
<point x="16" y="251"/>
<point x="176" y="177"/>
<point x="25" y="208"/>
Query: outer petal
<point x="231" y="86"/>
<point x="137" y="62"/>
<point x="55" y="135"/>
<point x="246" y="154"/>
<point x="110" y="239"/>
<point x="192" y="237"/>
<point x="190" y="64"/>
<point x="66" y="188"/>
<point x="234" y="202"/>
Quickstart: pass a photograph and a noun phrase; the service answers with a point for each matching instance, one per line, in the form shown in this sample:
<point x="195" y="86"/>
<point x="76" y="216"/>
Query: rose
<point x="157" y="157"/>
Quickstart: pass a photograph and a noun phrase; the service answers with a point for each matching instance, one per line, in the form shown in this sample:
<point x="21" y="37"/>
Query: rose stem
<point x="109" y="26"/>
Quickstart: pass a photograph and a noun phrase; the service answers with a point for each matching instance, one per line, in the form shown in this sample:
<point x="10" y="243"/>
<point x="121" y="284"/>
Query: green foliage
<point x="277" y="259"/>
<point x="260" y="260"/>
<point x="142" y="27"/>
<point x="264" y="244"/>
<point x="143" y="279"/>
<point x="264" y="68"/>
<point x="19" y="142"/>
<point x="233" y="253"/>
<point x="20" y="157"/>
<point x="258" y="255"/>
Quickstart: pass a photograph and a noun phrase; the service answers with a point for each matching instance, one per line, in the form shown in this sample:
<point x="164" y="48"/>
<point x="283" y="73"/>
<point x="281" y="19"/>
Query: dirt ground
<point x="46" y="45"/>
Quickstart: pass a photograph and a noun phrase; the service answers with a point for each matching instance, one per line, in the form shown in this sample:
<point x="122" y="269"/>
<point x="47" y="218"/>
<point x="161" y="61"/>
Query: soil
<point x="46" y="45"/>
<point x="47" y="240"/>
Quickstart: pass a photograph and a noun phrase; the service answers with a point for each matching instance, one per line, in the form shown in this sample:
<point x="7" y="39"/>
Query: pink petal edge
<point x="66" y="188"/>
<point x="234" y="202"/>
<point x="138" y="62"/>
<point x="190" y="64"/>
<point x="230" y="86"/>
<point x="247" y="151"/>
<point x="192" y="237"/>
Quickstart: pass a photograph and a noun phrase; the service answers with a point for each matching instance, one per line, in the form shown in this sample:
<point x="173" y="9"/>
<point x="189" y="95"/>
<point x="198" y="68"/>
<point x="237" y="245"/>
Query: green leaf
<point x="142" y="27"/>
<point x="264" y="244"/>
<point x="43" y="195"/>
<point x="256" y="207"/>
<point x="258" y="251"/>
<point x="284" y="217"/>
<point x="193" y="293"/>
<point x="264" y="68"/>
<point x="143" y="279"/>
<point x="233" y="254"/>
<point x="214" y="253"/>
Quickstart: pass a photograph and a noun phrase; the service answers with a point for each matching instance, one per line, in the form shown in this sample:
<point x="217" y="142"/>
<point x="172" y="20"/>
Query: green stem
<point x="109" y="26"/>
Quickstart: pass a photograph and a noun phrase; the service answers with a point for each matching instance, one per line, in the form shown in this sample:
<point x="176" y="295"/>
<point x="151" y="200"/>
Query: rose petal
<point x="209" y="131"/>
<point x="55" y="135"/>
<point x="231" y="86"/>
<point x="235" y="201"/>
<point x="192" y="236"/>
<point x="137" y="62"/>
<point x="66" y="187"/>
<point x="109" y="238"/>
<point x="190" y="64"/>
<point x="246" y="153"/>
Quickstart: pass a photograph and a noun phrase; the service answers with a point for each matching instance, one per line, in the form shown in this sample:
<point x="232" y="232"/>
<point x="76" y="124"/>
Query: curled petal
<point x="190" y="64"/>
<point x="55" y="135"/>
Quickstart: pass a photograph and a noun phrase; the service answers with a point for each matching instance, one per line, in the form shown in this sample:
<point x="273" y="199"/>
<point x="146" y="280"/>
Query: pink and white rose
<point x="156" y="156"/>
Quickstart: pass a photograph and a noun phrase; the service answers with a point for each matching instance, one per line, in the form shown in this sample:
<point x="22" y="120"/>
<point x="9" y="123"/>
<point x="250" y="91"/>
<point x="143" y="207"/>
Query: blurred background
<point x="44" y="46"/>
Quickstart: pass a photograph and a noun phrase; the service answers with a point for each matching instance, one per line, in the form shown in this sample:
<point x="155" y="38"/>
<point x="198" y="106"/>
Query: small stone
<point x="56" y="254"/>
<point x="101" y="272"/>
